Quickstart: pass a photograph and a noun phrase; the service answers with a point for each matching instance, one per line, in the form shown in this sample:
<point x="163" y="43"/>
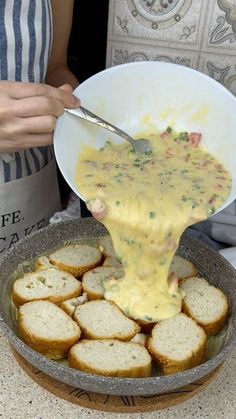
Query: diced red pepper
<point x="195" y="138"/>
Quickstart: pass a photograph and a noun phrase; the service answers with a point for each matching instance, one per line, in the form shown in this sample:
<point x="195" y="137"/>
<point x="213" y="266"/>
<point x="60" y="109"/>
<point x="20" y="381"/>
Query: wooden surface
<point x="107" y="403"/>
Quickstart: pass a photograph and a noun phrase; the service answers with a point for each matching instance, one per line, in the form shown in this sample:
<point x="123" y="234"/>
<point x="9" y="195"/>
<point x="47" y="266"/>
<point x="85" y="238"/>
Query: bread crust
<point x="79" y="269"/>
<point x="51" y="348"/>
<point x="132" y="372"/>
<point x="210" y="328"/>
<point x="172" y="366"/>
<point x="75" y="271"/>
<point x="19" y="299"/>
<point x="89" y="335"/>
<point x="93" y="295"/>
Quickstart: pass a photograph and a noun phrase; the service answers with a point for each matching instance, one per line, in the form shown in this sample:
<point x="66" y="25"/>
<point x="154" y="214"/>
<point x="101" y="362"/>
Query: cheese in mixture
<point x="150" y="200"/>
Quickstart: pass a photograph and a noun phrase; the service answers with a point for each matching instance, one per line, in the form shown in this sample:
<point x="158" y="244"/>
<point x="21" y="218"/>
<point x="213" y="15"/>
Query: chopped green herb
<point x="211" y="210"/>
<point x="183" y="136"/>
<point x="169" y="130"/>
<point x="107" y="144"/>
<point x="128" y="241"/>
<point x="117" y="203"/>
<point x="152" y="214"/>
<point x="148" y="318"/>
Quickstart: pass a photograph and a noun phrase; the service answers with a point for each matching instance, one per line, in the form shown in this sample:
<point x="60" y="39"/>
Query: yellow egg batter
<point x="150" y="200"/>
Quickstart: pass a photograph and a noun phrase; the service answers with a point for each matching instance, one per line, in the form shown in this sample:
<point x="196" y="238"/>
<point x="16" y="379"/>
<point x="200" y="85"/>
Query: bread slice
<point x="47" y="284"/>
<point x="182" y="267"/>
<point x="92" y="281"/>
<point x="70" y="305"/>
<point x="47" y="329"/>
<point x="206" y="304"/>
<point x="190" y="284"/>
<point x="112" y="261"/>
<point x="100" y="319"/>
<point x="140" y="338"/>
<point x="106" y="246"/>
<point x="177" y="344"/>
<point x="76" y="259"/>
<point x="111" y="358"/>
<point x="43" y="263"/>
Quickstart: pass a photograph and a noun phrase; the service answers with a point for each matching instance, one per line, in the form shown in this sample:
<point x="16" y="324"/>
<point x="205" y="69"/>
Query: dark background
<point x="86" y="53"/>
<point x="87" y="46"/>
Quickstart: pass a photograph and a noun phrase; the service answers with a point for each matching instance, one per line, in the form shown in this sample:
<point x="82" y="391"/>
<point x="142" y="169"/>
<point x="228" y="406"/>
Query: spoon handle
<point x="84" y="113"/>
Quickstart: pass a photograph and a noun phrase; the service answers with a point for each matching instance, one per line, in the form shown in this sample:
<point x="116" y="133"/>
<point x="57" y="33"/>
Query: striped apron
<point x="29" y="192"/>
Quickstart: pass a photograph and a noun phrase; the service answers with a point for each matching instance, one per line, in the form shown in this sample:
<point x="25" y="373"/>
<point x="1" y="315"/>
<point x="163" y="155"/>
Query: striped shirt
<point x="25" y="45"/>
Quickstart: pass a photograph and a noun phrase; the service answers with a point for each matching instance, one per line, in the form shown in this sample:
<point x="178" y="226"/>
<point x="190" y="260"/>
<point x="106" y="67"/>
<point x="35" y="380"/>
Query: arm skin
<point x="58" y="72"/>
<point x="28" y="111"/>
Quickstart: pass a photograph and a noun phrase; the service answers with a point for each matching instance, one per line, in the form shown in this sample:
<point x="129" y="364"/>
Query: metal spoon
<point x="140" y="146"/>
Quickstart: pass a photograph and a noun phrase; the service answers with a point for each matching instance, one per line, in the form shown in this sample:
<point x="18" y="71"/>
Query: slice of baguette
<point x="92" y="281"/>
<point x="106" y="246"/>
<point x="76" y="259"/>
<point x="43" y="263"/>
<point x="50" y="284"/>
<point x="177" y="344"/>
<point x="112" y="261"/>
<point x="47" y="329"/>
<point x="70" y="305"/>
<point x="100" y="319"/>
<point x="182" y="267"/>
<point x="140" y="338"/>
<point x="206" y="304"/>
<point x="111" y="358"/>
<point x="190" y="284"/>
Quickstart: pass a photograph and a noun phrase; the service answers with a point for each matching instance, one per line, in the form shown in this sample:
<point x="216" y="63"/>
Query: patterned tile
<point x="197" y="33"/>
<point x="123" y="52"/>
<point x="170" y="22"/>
<point x="221" y="67"/>
<point x="220" y="28"/>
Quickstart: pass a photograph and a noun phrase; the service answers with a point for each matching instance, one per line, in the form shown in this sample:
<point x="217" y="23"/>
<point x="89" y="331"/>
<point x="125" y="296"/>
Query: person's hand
<point x="28" y="113"/>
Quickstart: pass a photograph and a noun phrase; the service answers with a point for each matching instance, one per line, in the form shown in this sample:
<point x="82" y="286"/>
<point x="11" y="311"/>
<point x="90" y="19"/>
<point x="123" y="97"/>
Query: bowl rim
<point x="110" y="71"/>
<point x="44" y="363"/>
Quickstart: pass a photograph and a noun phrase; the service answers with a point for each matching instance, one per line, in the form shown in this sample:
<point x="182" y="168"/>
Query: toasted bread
<point x="182" y="267"/>
<point x="43" y="263"/>
<point x="100" y="319"/>
<point x="106" y="246"/>
<point x="47" y="284"/>
<point x="111" y="261"/>
<point x="92" y="281"/>
<point x="111" y="358"/>
<point x="192" y="283"/>
<point x="206" y="304"/>
<point x="177" y="344"/>
<point x="70" y="305"/>
<point x="140" y="338"/>
<point x="76" y="259"/>
<point x="46" y="328"/>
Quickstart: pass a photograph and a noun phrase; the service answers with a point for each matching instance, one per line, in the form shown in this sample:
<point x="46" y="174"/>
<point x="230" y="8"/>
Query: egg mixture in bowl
<point x="146" y="202"/>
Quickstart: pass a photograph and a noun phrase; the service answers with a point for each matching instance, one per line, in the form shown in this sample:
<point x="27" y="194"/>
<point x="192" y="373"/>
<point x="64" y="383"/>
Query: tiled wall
<point x="197" y="33"/>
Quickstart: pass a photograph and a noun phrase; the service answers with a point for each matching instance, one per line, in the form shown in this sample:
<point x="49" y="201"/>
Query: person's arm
<point x="58" y="72"/>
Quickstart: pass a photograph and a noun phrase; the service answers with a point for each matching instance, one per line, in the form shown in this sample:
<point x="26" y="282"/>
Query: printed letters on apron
<point x="27" y="204"/>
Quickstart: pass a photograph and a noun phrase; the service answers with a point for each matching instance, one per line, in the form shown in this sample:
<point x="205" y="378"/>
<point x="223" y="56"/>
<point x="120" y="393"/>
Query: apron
<point x="27" y="204"/>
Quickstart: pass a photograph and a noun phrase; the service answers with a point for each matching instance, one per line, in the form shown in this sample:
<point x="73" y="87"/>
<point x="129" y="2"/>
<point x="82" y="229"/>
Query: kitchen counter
<point x="22" y="398"/>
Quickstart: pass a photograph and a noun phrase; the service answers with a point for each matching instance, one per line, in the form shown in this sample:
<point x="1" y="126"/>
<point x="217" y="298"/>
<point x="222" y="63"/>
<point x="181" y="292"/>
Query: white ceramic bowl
<point x="141" y="96"/>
